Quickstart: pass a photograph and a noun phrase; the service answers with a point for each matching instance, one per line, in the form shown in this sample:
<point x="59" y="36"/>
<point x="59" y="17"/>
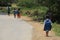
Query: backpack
<point x="48" y="25"/>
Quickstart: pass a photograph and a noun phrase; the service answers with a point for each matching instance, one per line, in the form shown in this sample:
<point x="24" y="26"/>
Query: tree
<point x="54" y="6"/>
<point x="5" y="2"/>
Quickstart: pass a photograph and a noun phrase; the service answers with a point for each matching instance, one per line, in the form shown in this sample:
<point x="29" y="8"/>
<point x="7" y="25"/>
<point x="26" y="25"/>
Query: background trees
<point x="52" y="5"/>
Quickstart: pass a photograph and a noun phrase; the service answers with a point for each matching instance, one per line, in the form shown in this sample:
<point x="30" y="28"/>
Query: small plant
<point x="35" y="13"/>
<point x="36" y="16"/>
<point x="28" y="13"/>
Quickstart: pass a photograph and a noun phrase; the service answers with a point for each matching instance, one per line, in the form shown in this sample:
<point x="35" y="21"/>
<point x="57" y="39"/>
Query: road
<point x="14" y="29"/>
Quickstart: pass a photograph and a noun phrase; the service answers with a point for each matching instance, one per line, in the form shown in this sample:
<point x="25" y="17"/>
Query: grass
<point x="24" y="14"/>
<point x="56" y="29"/>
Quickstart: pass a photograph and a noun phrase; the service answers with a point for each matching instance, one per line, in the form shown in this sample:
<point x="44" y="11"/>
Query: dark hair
<point x="47" y="16"/>
<point x="18" y="8"/>
<point x="14" y="8"/>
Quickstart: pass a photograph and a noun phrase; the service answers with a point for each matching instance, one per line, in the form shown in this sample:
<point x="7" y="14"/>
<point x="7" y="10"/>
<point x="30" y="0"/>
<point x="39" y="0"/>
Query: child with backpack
<point x="18" y="14"/>
<point x="47" y="25"/>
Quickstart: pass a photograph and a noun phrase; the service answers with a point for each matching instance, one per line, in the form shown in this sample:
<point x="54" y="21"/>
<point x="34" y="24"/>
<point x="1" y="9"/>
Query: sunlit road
<point x="14" y="29"/>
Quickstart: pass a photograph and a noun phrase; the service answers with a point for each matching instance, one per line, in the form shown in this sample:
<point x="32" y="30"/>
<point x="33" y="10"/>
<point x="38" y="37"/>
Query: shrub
<point x="35" y="13"/>
<point x="27" y="12"/>
<point x="37" y="16"/>
<point x="56" y="29"/>
<point x="26" y="4"/>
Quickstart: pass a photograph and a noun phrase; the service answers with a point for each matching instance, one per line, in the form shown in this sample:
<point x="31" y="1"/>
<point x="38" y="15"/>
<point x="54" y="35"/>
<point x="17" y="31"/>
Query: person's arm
<point x="44" y="22"/>
<point x="50" y="22"/>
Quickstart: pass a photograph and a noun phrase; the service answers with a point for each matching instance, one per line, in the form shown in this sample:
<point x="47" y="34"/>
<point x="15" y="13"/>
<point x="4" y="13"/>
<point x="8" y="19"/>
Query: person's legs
<point x="8" y="13"/>
<point x="18" y="15"/>
<point x="47" y="32"/>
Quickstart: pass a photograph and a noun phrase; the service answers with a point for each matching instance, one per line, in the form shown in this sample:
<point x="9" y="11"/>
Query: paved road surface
<point x="14" y="29"/>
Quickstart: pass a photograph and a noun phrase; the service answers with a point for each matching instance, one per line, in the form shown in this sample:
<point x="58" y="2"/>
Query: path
<point x="14" y="29"/>
<point x="38" y="33"/>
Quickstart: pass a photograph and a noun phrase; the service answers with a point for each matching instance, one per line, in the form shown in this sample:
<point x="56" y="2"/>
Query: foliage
<point x="6" y="1"/>
<point x="54" y="6"/>
<point x="56" y="29"/>
<point x="37" y="16"/>
<point x="26" y="4"/>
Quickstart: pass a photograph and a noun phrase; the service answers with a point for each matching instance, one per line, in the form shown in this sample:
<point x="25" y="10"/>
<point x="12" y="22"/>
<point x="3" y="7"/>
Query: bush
<point x="27" y="12"/>
<point x="35" y="13"/>
<point x="26" y="4"/>
<point x="56" y="29"/>
<point x="37" y="16"/>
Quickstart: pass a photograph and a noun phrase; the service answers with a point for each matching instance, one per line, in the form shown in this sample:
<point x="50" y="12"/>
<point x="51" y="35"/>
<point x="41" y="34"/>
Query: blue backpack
<point x="48" y="25"/>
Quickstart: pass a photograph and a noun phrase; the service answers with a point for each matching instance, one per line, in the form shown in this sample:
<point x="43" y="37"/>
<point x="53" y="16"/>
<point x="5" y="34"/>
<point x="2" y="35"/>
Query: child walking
<point x="18" y="14"/>
<point x="47" y="25"/>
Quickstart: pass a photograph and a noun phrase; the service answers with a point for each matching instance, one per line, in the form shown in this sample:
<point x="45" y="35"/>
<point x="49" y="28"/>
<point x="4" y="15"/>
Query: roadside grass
<point x="56" y="29"/>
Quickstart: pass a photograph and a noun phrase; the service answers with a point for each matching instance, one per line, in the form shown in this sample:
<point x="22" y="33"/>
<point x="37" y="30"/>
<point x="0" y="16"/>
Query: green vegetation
<point x="3" y="9"/>
<point x="52" y="5"/>
<point x="37" y="13"/>
<point x="56" y="29"/>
